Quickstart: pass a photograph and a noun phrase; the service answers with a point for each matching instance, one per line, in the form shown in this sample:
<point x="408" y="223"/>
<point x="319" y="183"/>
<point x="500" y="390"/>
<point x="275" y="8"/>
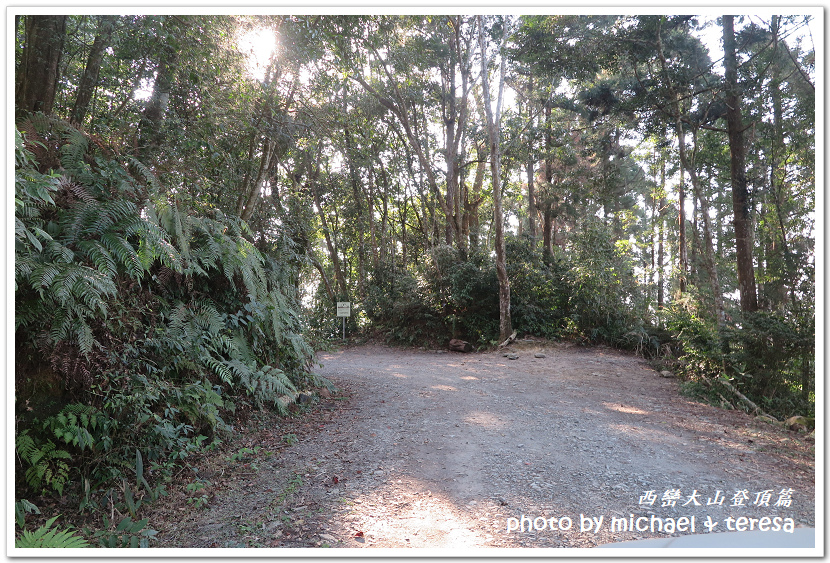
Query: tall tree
<point x="150" y="133"/>
<point x="689" y="165"/>
<point x="406" y="87"/>
<point x="37" y="77"/>
<point x="89" y="80"/>
<point x="493" y="117"/>
<point x="737" y="150"/>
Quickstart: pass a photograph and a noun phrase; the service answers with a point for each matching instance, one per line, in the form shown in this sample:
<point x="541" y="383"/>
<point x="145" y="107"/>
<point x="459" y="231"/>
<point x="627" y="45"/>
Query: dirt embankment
<point x="443" y="449"/>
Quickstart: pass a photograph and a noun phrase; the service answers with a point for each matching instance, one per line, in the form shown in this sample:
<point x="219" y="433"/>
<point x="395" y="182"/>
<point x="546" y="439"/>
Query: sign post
<point x="344" y="309"/>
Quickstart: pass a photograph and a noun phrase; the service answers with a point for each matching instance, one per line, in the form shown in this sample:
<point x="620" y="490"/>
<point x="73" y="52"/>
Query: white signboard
<point x="344" y="309"/>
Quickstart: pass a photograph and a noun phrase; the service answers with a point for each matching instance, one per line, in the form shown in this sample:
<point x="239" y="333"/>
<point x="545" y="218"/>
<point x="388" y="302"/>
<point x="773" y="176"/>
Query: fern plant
<point x="158" y="316"/>
<point x="47" y="465"/>
<point x="71" y="263"/>
<point x="82" y="426"/>
<point x="47" y="536"/>
<point x="214" y="343"/>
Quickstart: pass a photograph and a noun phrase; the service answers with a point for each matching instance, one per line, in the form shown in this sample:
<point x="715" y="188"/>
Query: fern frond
<point x="73" y="423"/>
<point x="168" y="255"/>
<point x="46" y="536"/>
<point x="43" y="276"/>
<point x="61" y="325"/>
<point x="74" y="148"/>
<point x="46" y="466"/>
<point x="22" y="508"/>
<point x="138" y="169"/>
<point x="57" y="252"/>
<point x="126" y="254"/>
<point x="219" y="368"/>
<point x="209" y="318"/>
<point x="83" y="219"/>
<point x="100" y="256"/>
<point x="78" y="190"/>
<point x="25" y="446"/>
<point x="83" y="334"/>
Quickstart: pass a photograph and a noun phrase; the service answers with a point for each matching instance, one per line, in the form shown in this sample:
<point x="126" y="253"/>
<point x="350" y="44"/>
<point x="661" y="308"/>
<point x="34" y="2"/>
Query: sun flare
<point x="259" y="45"/>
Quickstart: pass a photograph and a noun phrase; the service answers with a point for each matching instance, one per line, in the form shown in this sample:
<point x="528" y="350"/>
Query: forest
<point x="195" y="193"/>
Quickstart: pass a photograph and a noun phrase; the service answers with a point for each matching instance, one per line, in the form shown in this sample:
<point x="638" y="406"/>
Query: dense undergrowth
<point x="146" y="327"/>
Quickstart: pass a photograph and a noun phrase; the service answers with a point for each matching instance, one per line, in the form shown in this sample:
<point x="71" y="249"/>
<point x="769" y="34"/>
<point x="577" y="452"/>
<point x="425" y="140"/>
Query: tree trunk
<point x="247" y="205"/>
<point x="150" y="135"/>
<point x="323" y="276"/>
<point x="531" y="187"/>
<point x="402" y="216"/>
<point x="682" y="256"/>
<point x="377" y="252"/>
<point x="400" y="109"/>
<point x="547" y="229"/>
<point x="455" y="113"/>
<point x="737" y="150"/>
<point x="660" y="247"/>
<point x="335" y="258"/>
<point x="493" y="122"/>
<point x="358" y="196"/>
<point x="776" y="178"/>
<point x="708" y="247"/>
<point x="89" y="80"/>
<point x="38" y="75"/>
<point x="472" y="203"/>
<point x="681" y="193"/>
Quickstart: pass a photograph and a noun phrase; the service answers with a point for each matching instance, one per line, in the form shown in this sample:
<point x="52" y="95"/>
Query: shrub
<point x="147" y="323"/>
<point x="539" y="292"/>
<point x="399" y="308"/>
<point x="604" y="296"/>
<point x="768" y="358"/>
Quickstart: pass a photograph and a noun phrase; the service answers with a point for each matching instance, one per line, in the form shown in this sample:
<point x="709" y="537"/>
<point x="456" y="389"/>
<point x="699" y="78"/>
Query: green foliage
<point x="83" y="427"/>
<point x="244" y="453"/>
<point x="397" y="307"/>
<point x="197" y="499"/>
<point x="472" y="297"/>
<point x="21" y="509"/>
<point x="33" y="191"/>
<point x="46" y="536"/>
<point x="539" y="291"/>
<point x="449" y="298"/>
<point x="159" y="318"/>
<point x="769" y="358"/>
<point x="47" y="467"/>
<point x="604" y="294"/>
<point x="290" y="439"/>
<point x="71" y="276"/>
<point x="128" y="534"/>
<point x="593" y="294"/>
<point x="149" y="319"/>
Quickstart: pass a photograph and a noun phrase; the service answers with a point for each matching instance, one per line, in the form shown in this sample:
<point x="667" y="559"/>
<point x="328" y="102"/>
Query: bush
<point x="604" y="295"/>
<point x="145" y="324"/>
<point x="769" y="358"/>
<point x="397" y="307"/>
<point x="448" y="298"/>
<point x="539" y="291"/>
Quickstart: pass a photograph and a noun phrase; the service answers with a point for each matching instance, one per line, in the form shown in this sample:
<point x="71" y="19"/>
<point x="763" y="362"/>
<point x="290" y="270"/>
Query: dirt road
<point x="444" y="450"/>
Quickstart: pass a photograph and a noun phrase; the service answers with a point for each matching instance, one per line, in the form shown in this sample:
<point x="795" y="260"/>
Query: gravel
<point x="451" y="450"/>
